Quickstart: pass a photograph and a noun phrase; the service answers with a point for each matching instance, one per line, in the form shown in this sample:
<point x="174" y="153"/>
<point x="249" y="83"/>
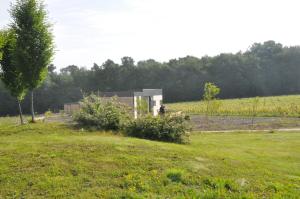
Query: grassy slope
<point x="51" y="160"/>
<point x="267" y="106"/>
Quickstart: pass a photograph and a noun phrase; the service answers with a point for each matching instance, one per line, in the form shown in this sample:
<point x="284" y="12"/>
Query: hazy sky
<point x="88" y="31"/>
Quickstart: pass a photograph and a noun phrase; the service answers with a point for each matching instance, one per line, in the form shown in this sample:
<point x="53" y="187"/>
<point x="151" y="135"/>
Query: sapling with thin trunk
<point x="253" y="109"/>
<point x="209" y="97"/>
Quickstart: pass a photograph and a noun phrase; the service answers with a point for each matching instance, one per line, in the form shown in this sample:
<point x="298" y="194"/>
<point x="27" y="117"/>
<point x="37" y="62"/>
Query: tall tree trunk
<point x="20" y="112"/>
<point x="32" y="108"/>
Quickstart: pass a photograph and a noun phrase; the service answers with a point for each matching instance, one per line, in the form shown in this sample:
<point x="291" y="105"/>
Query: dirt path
<point x="224" y="123"/>
<point x="245" y="130"/>
<point x="61" y="118"/>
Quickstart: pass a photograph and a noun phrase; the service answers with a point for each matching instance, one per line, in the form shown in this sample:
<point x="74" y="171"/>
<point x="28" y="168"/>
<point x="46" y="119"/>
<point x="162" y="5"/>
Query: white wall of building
<point x="135" y="100"/>
<point x="157" y="99"/>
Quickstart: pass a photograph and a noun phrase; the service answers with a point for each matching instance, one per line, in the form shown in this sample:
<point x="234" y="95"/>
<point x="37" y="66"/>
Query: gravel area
<point x="242" y="123"/>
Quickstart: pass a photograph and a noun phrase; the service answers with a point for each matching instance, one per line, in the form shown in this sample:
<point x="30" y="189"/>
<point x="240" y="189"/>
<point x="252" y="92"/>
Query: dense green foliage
<point x="34" y="43"/>
<point x="54" y="161"/>
<point x="263" y="70"/>
<point x="11" y="74"/>
<point x="284" y="106"/>
<point x="210" y="91"/>
<point x="166" y="128"/>
<point x="98" y="114"/>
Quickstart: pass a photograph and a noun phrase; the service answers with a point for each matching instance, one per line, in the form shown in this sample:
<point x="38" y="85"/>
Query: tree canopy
<point x="34" y="44"/>
<point x="10" y="72"/>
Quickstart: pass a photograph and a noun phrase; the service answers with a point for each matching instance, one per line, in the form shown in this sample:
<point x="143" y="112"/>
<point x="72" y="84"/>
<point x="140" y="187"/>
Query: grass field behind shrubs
<point x="280" y="106"/>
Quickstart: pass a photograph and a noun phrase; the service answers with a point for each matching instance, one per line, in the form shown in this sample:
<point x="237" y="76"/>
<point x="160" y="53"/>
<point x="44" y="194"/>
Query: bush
<point x="175" y="175"/>
<point x="102" y="114"/>
<point x="166" y="128"/>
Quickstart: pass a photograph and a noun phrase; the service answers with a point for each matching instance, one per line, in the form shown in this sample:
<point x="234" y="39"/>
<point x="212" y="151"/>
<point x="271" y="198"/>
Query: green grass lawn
<point x="267" y="106"/>
<point x="54" y="161"/>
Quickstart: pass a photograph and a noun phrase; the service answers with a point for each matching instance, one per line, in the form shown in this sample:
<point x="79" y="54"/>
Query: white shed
<point x="153" y="98"/>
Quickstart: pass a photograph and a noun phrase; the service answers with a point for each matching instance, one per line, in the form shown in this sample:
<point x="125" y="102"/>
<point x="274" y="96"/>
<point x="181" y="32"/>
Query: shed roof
<point x="141" y="92"/>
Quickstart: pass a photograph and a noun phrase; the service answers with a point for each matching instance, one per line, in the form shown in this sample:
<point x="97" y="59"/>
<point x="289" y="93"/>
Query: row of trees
<point x="26" y="49"/>
<point x="265" y="69"/>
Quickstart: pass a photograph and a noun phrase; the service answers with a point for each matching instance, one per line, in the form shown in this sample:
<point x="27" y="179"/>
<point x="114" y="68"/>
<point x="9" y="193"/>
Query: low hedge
<point x="163" y="128"/>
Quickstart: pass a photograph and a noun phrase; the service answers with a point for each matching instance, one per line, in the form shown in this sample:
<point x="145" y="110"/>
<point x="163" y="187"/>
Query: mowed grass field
<point x="281" y="106"/>
<point x="56" y="161"/>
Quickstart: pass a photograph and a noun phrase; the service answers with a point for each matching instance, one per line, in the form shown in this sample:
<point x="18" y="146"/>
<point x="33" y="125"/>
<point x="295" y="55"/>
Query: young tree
<point x="34" y="43"/>
<point x="10" y="73"/>
<point x="210" y="93"/>
<point x="254" y="109"/>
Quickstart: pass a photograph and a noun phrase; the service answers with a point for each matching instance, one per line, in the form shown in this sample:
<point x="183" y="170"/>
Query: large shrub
<point x="100" y="114"/>
<point x="165" y="128"/>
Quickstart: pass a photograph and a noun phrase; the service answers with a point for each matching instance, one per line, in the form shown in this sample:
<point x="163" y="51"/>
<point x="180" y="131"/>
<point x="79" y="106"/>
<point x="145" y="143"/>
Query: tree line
<point x="265" y="69"/>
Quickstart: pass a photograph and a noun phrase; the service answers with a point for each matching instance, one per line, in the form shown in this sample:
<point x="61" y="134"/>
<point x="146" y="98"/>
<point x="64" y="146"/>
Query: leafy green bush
<point x="102" y="114"/>
<point x="166" y="128"/>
